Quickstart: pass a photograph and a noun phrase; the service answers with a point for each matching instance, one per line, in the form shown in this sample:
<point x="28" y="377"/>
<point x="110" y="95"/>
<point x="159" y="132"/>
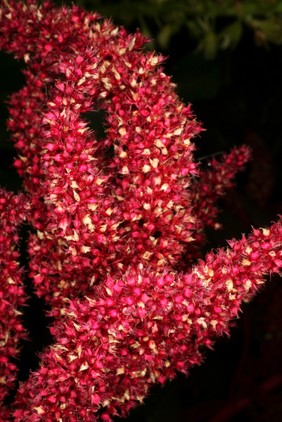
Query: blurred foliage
<point x="213" y="25"/>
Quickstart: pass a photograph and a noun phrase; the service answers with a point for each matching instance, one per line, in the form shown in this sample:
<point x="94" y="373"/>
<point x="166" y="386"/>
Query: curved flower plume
<point x="98" y="212"/>
<point x="113" y="216"/>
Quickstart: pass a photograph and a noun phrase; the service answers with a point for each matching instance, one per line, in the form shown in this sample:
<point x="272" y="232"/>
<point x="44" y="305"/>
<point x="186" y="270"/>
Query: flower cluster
<point x="114" y="219"/>
<point x="12" y="293"/>
<point x="141" y="327"/>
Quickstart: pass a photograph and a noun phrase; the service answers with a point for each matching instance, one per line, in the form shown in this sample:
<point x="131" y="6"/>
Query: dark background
<point x="236" y="91"/>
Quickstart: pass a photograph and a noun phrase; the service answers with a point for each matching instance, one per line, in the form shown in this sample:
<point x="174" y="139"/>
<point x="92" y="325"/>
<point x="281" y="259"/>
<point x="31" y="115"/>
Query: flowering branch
<point x="214" y="181"/>
<point x="114" y="217"/>
<point x="140" y="327"/>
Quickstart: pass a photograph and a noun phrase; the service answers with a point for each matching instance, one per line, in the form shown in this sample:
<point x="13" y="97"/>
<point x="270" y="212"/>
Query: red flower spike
<point x="134" y="204"/>
<point x="213" y="182"/>
<point x="121" y="211"/>
<point x="117" y="359"/>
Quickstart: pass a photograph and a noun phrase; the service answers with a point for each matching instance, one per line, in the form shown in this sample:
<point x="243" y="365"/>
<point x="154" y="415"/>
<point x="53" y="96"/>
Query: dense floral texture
<point x="114" y="217"/>
<point x="103" y="213"/>
<point x="141" y="327"/>
<point x="12" y="296"/>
